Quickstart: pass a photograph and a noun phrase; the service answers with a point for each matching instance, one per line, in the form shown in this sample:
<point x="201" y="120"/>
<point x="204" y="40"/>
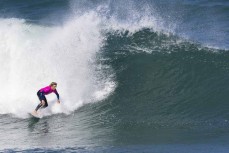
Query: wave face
<point x="163" y="81"/>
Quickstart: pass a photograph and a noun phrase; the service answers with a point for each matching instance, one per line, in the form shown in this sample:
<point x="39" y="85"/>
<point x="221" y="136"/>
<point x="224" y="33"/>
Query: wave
<point x="104" y="51"/>
<point x="35" y="54"/>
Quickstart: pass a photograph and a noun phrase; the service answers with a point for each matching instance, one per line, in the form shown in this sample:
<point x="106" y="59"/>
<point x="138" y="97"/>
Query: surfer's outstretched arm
<point x="57" y="95"/>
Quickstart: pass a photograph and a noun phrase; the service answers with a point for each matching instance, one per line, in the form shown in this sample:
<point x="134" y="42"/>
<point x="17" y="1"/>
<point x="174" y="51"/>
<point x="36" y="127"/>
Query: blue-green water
<point x="148" y="76"/>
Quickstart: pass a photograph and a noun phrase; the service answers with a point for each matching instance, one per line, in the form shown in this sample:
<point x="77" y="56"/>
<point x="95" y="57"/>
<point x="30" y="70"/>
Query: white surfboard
<point x="35" y="115"/>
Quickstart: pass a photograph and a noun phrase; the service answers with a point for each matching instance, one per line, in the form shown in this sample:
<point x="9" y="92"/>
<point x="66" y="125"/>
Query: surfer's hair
<point x="53" y="84"/>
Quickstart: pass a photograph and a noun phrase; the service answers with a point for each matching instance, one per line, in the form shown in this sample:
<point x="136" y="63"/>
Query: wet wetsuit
<point x="41" y="95"/>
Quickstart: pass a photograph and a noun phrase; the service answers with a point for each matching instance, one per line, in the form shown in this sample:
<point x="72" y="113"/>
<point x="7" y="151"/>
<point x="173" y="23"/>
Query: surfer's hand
<point x="58" y="101"/>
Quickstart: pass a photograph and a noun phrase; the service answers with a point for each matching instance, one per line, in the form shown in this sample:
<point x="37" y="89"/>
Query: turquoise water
<point x="149" y="76"/>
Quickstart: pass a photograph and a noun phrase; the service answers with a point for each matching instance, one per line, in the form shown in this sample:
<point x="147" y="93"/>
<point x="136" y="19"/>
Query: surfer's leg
<point x="39" y="106"/>
<point x="45" y="104"/>
<point x="43" y="101"/>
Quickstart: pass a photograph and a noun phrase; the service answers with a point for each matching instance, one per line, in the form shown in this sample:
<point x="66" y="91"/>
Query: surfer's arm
<point x="57" y="95"/>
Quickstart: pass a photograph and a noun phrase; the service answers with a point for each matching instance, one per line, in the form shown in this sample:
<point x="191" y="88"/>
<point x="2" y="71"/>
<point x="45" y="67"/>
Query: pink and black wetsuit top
<point x="41" y="95"/>
<point x="47" y="90"/>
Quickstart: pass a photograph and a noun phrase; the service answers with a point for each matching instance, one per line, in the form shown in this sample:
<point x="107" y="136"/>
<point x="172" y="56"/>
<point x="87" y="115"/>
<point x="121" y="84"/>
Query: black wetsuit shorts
<point x="41" y="97"/>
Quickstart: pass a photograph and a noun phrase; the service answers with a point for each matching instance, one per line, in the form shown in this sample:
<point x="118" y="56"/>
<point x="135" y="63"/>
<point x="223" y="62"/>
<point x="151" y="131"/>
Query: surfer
<point x="45" y="91"/>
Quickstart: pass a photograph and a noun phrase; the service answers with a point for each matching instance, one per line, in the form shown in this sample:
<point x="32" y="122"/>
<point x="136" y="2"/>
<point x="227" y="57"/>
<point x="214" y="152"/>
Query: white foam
<point x="32" y="56"/>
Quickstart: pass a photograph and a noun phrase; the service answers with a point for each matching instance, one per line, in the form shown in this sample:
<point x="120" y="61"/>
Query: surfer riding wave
<point x="45" y="91"/>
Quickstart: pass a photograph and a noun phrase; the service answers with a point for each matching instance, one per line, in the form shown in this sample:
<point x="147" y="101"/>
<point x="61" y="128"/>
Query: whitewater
<point x="32" y="56"/>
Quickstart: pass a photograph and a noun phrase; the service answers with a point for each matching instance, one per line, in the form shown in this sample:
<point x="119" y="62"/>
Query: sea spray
<point x="32" y="56"/>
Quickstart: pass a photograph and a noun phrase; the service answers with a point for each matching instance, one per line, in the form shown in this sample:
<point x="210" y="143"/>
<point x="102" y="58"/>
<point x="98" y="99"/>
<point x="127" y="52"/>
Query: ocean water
<point x="133" y="76"/>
